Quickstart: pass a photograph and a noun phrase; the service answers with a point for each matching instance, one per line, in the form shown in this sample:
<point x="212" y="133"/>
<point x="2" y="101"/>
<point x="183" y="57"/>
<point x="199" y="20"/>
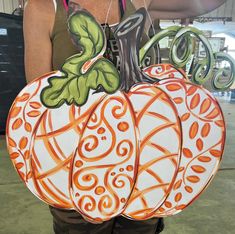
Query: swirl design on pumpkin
<point x="89" y="178"/>
<point x="123" y="150"/>
<point x="91" y="142"/>
<point x="87" y="203"/>
<point x="110" y="128"/>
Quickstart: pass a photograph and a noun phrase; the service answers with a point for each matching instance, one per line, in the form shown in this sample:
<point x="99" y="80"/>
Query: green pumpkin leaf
<point x="75" y="85"/>
<point x="86" y="32"/>
<point x="75" y="89"/>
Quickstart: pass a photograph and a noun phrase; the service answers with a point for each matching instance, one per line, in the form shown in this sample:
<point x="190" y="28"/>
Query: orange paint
<point x="161" y="209"/>
<point x="11" y="142"/>
<point x="193" y="130"/>
<point x="129" y="168"/>
<point x="27" y="154"/>
<point x="168" y="67"/>
<point x="219" y="123"/>
<point x="101" y="130"/>
<point x="64" y="203"/>
<point x="193" y="179"/>
<point x="57" y="168"/>
<point x="29" y="175"/>
<point x="99" y="190"/>
<point x="17" y="123"/>
<point x="185" y="117"/>
<point x="14" y="112"/>
<point x="168" y="204"/>
<point x="48" y="144"/>
<point x="204" y="159"/>
<point x="147" y="190"/>
<point x="23" y="143"/>
<point x="173" y="87"/>
<point x="187" y="153"/>
<point x="23" y="98"/>
<point x="205" y="130"/>
<point x="181" y="169"/>
<point x="35" y="105"/>
<point x="67" y="127"/>
<point x="178" y="197"/>
<point x="195" y="101"/>
<point x="154" y="132"/>
<point x="199" y="144"/>
<point x="87" y="65"/>
<point x="213" y="114"/>
<point x="198" y="169"/>
<point x="14" y="155"/>
<point x="216" y="153"/>
<point x="79" y="163"/>
<point x="205" y="106"/>
<point x="178" y="100"/>
<point x="188" y="189"/>
<point x="19" y="165"/>
<point x="123" y="151"/>
<point x="86" y="178"/>
<point x="118" y="110"/>
<point x="192" y="90"/>
<point x="123" y="126"/>
<point x="180" y="207"/>
<point x="158" y="94"/>
<point x="177" y="184"/>
<point x="34" y="113"/>
<point x="28" y="127"/>
<point x="50" y="192"/>
<point x="123" y="200"/>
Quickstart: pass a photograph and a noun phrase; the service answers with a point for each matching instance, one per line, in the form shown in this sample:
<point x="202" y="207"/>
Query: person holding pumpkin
<point x="47" y="45"/>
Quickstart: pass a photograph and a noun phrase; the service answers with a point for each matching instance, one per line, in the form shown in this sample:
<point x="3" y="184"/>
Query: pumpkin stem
<point x="128" y="36"/>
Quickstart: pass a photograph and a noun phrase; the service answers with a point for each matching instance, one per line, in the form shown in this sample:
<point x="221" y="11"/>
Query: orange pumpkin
<point x="147" y="150"/>
<point x="117" y="143"/>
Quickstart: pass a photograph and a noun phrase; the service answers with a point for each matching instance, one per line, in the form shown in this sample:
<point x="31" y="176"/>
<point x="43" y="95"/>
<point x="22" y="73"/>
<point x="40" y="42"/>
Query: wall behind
<point x="8" y="6"/>
<point x="225" y="10"/>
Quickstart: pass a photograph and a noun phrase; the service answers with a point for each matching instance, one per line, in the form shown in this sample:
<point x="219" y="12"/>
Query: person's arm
<point x="37" y="24"/>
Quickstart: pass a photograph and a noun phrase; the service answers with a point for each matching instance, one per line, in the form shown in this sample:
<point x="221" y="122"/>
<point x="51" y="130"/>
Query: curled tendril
<point x="169" y="32"/>
<point x="217" y="82"/>
<point x="204" y="69"/>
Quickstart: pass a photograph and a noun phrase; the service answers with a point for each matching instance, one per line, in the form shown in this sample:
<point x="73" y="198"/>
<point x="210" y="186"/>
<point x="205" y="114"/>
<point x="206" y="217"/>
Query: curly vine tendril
<point x="203" y="70"/>
<point x="217" y="82"/>
<point x="170" y="31"/>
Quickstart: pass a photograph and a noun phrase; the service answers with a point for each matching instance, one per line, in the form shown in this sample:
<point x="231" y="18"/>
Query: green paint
<point x="217" y="82"/>
<point x="170" y="31"/>
<point x="74" y="85"/>
<point x="203" y="71"/>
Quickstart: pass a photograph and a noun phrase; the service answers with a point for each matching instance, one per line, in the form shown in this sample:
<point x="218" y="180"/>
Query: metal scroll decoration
<point x="141" y="143"/>
<point x="204" y="70"/>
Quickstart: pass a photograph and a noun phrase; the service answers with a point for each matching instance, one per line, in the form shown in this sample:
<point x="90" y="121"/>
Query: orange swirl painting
<point x="140" y="143"/>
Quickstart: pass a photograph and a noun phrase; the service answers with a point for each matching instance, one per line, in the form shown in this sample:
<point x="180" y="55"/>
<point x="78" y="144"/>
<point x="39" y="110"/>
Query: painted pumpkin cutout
<point x="139" y="146"/>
